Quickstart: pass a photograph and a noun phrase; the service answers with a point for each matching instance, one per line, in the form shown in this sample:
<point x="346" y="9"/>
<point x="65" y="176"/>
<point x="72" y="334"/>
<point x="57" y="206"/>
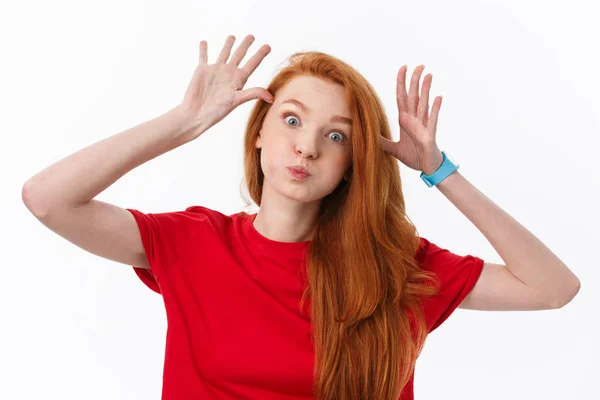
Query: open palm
<point x="417" y="147"/>
<point x="216" y="89"/>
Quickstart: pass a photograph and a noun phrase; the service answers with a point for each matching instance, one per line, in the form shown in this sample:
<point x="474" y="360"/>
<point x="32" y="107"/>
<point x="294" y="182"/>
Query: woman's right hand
<point x="215" y="89"/>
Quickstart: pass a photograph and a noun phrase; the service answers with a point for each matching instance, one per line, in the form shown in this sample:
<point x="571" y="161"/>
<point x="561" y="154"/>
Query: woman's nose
<point x="307" y="145"/>
<point x="307" y="148"/>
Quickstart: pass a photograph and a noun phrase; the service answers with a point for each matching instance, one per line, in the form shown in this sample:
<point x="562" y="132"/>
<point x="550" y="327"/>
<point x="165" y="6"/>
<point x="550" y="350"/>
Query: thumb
<point x="387" y="145"/>
<point x="254" y="93"/>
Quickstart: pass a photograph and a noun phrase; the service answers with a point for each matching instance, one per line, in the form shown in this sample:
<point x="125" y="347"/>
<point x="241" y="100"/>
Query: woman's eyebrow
<point x="304" y="108"/>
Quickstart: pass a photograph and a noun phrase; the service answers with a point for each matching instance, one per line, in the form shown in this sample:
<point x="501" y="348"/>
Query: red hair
<point x="366" y="286"/>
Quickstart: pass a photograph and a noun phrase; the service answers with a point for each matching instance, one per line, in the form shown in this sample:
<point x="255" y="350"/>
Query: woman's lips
<point x="298" y="174"/>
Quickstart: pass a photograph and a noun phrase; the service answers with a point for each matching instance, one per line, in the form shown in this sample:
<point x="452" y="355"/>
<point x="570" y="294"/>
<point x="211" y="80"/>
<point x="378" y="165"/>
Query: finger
<point x="239" y="54"/>
<point x="433" y="119"/>
<point x="254" y="93"/>
<point x="413" y="93"/>
<point x="386" y="144"/>
<point x="423" y="110"/>
<point x="203" y="52"/>
<point x="401" y="90"/>
<point x="256" y="59"/>
<point x="226" y="50"/>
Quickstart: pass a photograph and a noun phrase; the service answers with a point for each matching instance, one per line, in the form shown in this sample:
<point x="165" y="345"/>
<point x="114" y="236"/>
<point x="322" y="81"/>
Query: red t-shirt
<point x="232" y="296"/>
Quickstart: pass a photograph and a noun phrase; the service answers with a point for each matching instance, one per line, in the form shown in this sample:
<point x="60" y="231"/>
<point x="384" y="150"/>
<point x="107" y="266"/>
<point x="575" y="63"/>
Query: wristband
<point x="441" y="173"/>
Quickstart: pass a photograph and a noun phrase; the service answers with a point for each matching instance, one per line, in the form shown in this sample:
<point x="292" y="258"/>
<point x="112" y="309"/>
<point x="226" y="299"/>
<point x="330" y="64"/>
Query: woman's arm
<point x="78" y="178"/>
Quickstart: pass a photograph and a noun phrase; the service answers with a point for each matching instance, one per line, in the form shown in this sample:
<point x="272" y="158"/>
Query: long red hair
<point x="365" y="288"/>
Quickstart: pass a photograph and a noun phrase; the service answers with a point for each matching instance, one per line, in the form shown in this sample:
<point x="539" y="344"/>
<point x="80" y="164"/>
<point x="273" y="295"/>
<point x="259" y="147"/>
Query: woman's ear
<point x="259" y="140"/>
<point x="347" y="174"/>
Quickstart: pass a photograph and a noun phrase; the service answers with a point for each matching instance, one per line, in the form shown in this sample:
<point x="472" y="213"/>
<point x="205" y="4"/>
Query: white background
<point x="520" y="116"/>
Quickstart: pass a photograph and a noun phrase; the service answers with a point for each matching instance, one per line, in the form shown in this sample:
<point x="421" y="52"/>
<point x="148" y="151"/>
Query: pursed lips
<point x="299" y="169"/>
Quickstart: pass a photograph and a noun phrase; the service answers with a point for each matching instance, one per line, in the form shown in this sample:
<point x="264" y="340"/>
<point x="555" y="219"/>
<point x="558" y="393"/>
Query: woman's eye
<point x="291" y="116"/>
<point x="341" y="137"/>
<point x="290" y="121"/>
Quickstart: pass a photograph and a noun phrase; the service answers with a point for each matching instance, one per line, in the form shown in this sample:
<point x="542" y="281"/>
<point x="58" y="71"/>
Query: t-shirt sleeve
<point x="164" y="236"/>
<point x="456" y="274"/>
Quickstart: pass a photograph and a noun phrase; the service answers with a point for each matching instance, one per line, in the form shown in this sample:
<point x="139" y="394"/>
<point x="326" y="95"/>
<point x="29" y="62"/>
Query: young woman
<point x="328" y="292"/>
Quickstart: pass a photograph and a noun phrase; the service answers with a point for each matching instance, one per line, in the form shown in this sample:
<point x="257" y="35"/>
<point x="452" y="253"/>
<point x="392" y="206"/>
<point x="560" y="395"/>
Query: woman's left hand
<point x="417" y="147"/>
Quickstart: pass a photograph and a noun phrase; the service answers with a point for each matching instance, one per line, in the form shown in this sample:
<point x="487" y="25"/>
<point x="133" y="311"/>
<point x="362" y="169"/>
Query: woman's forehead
<point x="312" y="94"/>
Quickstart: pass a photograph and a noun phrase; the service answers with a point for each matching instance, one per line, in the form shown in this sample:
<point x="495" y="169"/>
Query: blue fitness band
<point x="441" y="173"/>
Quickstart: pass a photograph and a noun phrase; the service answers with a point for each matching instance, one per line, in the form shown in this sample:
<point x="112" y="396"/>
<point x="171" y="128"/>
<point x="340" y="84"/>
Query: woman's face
<point x="308" y="124"/>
